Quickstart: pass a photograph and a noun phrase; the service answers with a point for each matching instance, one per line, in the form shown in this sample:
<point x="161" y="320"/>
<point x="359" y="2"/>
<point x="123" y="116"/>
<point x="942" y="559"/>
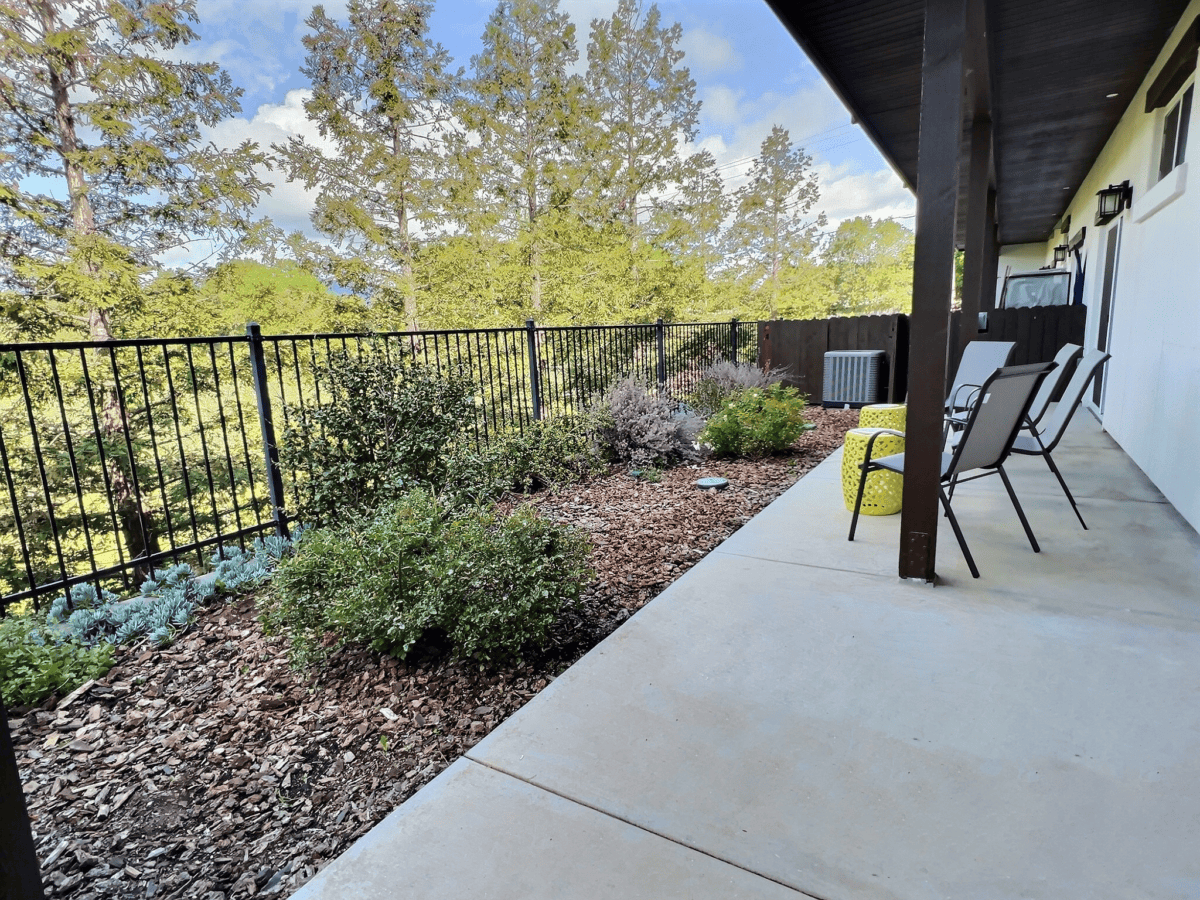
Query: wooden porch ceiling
<point x="1053" y="65"/>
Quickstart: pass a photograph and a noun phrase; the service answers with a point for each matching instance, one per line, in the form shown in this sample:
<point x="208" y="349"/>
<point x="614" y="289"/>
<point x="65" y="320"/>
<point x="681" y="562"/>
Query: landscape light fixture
<point x="1060" y="254"/>
<point x="1113" y="199"/>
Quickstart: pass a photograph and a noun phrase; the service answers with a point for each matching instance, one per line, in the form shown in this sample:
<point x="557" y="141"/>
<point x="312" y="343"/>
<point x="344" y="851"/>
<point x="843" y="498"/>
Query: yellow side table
<point x="882" y="494"/>
<point x="883" y="415"/>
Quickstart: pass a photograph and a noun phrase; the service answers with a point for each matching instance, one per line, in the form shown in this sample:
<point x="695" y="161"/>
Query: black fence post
<point x="535" y="377"/>
<point x="660" y="334"/>
<point x="733" y="323"/>
<point x="20" y="873"/>
<point x="267" y="421"/>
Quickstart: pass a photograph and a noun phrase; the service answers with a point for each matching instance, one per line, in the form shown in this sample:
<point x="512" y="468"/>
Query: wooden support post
<point x="991" y="258"/>
<point x="933" y="280"/>
<point x="980" y="230"/>
<point x="20" y="874"/>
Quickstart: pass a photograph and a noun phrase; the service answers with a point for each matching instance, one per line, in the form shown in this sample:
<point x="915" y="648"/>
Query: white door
<point x="1099" y="326"/>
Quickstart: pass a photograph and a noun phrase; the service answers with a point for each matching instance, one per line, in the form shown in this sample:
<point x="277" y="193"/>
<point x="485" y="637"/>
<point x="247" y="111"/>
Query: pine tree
<point x="97" y="112"/>
<point x="769" y="230"/>
<point x="524" y="107"/>
<point x="382" y="96"/>
<point x="644" y="103"/>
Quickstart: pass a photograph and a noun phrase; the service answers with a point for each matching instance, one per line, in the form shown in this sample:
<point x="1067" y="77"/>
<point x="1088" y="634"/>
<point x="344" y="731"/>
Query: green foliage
<point x="382" y="95"/>
<point x="386" y="426"/>
<point x="104" y="151"/>
<point x="489" y="585"/>
<point x="770" y="232"/>
<point x="757" y="421"/>
<point x="37" y="661"/>
<point x="723" y="379"/>
<point x="640" y="427"/>
<point x="871" y="266"/>
<point x="548" y="454"/>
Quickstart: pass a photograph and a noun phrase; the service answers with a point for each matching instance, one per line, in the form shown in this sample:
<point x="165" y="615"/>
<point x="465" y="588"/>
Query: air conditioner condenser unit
<point x="852" y="377"/>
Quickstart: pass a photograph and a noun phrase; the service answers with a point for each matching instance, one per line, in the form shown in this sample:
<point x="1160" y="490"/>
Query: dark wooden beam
<point x="991" y="257"/>
<point x="980" y="229"/>
<point x="20" y="873"/>
<point x="933" y="279"/>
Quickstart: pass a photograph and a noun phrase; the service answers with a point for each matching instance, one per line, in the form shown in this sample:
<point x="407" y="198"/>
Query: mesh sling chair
<point x="979" y="360"/>
<point x="987" y="438"/>
<point x="1040" y="442"/>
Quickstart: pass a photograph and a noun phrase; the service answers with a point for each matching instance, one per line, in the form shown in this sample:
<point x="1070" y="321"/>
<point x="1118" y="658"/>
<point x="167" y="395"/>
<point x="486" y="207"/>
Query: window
<point x="1174" y="134"/>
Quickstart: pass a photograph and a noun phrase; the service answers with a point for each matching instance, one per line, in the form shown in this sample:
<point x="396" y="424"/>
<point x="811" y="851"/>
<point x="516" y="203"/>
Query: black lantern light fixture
<point x="1060" y="254"/>
<point x="1113" y="199"/>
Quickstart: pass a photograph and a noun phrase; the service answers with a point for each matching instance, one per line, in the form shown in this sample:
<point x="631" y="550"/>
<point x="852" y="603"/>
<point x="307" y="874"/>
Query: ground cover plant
<point x="47" y="655"/>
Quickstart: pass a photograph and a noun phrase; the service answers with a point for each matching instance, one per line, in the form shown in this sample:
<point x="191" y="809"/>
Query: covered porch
<point x="790" y="720"/>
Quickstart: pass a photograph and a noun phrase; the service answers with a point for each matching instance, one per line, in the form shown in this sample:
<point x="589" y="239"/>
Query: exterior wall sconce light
<point x="1113" y="199"/>
<point x="1060" y="254"/>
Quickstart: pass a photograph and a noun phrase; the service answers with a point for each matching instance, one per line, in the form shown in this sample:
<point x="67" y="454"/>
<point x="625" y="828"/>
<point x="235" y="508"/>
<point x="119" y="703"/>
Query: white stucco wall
<point x="1152" y="399"/>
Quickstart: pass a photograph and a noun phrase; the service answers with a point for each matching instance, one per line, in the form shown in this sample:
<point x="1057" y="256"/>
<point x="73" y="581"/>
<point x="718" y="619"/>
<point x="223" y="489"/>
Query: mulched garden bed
<point x="212" y="770"/>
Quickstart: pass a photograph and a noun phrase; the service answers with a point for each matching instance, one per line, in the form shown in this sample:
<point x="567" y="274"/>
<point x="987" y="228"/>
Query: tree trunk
<point x="136" y="523"/>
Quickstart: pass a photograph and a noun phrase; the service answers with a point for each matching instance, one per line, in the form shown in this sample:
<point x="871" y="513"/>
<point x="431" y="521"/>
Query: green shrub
<point x="490" y="585"/>
<point x="37" y="661"/>
<point x="723" y="380"/>
<point x="756" y="421"/>
<point x="384" y="425"/>
<point x="637" y="426"/>
<point x="548" y="454"/>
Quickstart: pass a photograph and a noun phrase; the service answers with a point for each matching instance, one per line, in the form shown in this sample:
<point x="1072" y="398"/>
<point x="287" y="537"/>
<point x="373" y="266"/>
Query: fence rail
<point x="128" y="455"/>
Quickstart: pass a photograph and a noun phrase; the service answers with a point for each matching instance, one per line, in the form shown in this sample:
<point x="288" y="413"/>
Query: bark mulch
<point x="211" y="770"/>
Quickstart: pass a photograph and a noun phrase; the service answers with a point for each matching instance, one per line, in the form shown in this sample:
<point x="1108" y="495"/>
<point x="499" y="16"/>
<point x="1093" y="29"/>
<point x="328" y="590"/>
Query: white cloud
<point x="288" y="204"/>
<point x="879" y="194"/>
<point x="708" y="52"/>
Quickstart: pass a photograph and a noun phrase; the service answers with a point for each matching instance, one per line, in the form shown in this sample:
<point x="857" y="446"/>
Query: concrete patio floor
<point x="789" y="719"/>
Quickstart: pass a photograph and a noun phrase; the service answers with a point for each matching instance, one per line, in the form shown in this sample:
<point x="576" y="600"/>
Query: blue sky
<point x="749" y="75"/>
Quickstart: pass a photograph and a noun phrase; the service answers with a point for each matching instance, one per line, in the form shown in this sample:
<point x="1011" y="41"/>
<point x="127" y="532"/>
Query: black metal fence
<point x="124" y="456"/>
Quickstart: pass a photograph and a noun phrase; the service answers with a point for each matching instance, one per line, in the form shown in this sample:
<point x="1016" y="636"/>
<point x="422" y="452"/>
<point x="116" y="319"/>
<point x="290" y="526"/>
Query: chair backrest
<point x="1052" y="429"/>
<point x="996" y="419"/>
<point x="1063" y="359"/>
<point x="979" y="360"/>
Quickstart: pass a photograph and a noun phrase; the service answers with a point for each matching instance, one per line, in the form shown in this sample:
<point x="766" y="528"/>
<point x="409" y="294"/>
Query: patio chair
<point x="987" y="438"/>
<point x="979" y="360"/>
<point x="1063" y="359"/>
<point x="1041" y="442"/>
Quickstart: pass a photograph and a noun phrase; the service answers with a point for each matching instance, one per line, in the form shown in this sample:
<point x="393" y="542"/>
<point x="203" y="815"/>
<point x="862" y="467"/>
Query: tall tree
<point x="769" y="230"/>
<point x="103" y="166"/>
<point x="382" y="98"/>
<point x="523" y="106"/>
<point x="103" y="162"/>
<point x="645" y="105"/>
<point x="871" y="266"/>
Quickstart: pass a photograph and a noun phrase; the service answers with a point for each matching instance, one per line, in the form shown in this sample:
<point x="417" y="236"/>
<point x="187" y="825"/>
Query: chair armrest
<point x="871" y="443"/>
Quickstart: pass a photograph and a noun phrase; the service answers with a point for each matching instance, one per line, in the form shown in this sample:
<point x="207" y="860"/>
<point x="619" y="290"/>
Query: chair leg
<point x="1066" y="490"/>
<point x="962" y="541"/>
<point x="1012" y="495"/>
<point x="862" y="486"/>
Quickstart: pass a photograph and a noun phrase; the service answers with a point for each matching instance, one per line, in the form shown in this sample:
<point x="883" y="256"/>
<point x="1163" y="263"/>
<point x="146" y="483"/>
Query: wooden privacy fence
<point x="799" y="347"/>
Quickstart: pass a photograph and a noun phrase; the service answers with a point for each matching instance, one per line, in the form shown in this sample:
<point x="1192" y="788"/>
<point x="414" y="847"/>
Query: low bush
<point x="415" y="571"/>
<point x="384" y="425"/>
<point x="637" y="426"/>
<point x="721" y="381"/>
<point x="548" y="454"/>
<point x="37" y="661"/>
<point x="756" y="422"/>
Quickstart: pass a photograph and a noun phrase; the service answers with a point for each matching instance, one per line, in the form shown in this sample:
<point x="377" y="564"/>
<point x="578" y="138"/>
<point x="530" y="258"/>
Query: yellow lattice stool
<point x="882" y="494"/>
<point x="883" y="415"/>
